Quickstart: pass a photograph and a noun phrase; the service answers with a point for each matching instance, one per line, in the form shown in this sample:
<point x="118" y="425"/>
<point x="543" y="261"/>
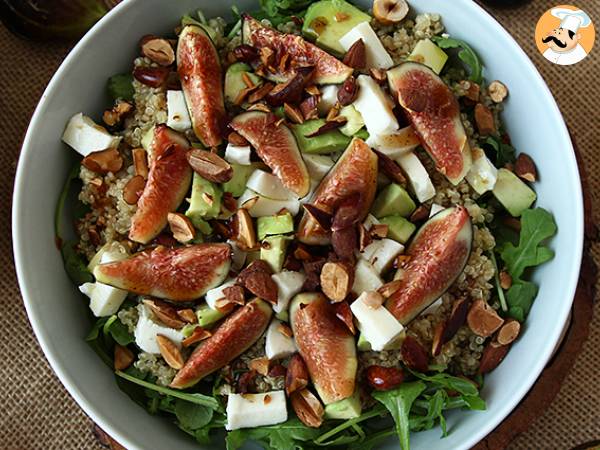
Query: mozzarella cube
<point x="483" y="175"/>
<point x="146" y="331"/>
<point x="86" y="137"/>
<point x="267" y="206"/>
<point x="417" y="176"/>
<point x="378" y="326"/>
<point x="255" y="410"/>
<point x="289" y="283"/>
<point x="395" y="144"/>
<point x="215" y="294"/>
<point x="317" y="165"/>
<point x="377" y="55"/>
<point x="238" y="154"/>
<point x="268" y="185"/>
<point x="373" y="104"/>
<point x="366" y="278"/>
<point x="238" y="257"/>
<point x="435" y="208"/>
<point x="277" y="344"/>
<point x="381" y="253"/>
<point x="328" y="99"/>
<point x="178" y="116"/>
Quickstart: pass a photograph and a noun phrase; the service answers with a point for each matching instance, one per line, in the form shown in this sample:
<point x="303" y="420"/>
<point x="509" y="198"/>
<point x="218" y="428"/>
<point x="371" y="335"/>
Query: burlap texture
<point x="35" y="410"/>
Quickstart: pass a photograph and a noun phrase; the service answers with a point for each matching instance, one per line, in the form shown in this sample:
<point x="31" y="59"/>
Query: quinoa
<point x="155" y="366"/>
<point x="129" y="317"/>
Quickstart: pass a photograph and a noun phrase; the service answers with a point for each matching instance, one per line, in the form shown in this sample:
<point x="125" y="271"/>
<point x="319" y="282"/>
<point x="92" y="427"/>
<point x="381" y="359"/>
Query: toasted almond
<point x="309" y="107"/>
<point x="118" y="112"/>
<point x="247" y="80"/>
<point x="293" y="113"/>
<point x="123" y="357"/>
<point x="133" y="189"/>
<point x="266" y="56"/>
<point x="389" y="288"/>
<point x="96" y="182"/>
<point x="413" y="354"/>
<point x="356" y="56"/>
<point x="471" y="90"/>
<point x="140" y="162"/>
<point x="390" y="168"/>
<point x="188" y="315"/>
<point x="446" y="329"/>
<point x="498" y="91"/>
<point x="285" y="330"/>
<point x="364" y="238"/>
<point x="209" y="165"/>
<point x="525" y="168"/>
<point x="437" y="342"/>
<point x="283" y="62"/>
<point x="244" y="232"/>
<point x="241" y="97"/>
<point x="347" y="92"/>
<point x="482" y="319"/>
<point x="224" y="306"/>
<point x="165" y="313"/>
<point x="199" y="334"/>
<point x="104" y="161"/>
<point x="296" y="377"/>
<point x="322" y="217"/>
<point x="170" y="352"/>
<point x="344" y="313"/>
<point x="245" y="53"/>
<point x="260" y="365"/>
<point x="302" y="254"/>
<point x="159" y="51"/>
<point x="336" y="280"/>
<point x="256" y="278"/>
<point x="420" y="214"/>
<point x="332" y="113"/>
<point x="313" y="90"/>
<point x="181" y="227"/>
<point x="508" y="332"/>
<point x="261" y="93"/>
<point x="94" y="236"/>
<point x="308" y="408"/>
<point x="248" y="204"/>
<point x="390" y="11"/>
<point x="492" y="356"/>
<point x="345" y="243"/>
<point x="401" y="261"/>
<point x="484" y="119"/>
<point x="378" y="75"/>
<point x="505" y="280"/>
<point x="234" y="294"/>
<point x="379" y="230"/>
<point x="373" y="299"/>
<point x="236" y="139"/>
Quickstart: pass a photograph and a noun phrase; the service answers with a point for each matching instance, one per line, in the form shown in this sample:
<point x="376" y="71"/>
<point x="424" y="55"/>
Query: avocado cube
<point x="208" y="316"/>
<point x="234" y="80"/>
<point x="393" y="200"/>
<point x="348" y="408"/>
<point x="329" y="142"/>
<point x="513" y="193"/>
<point x="279" y="224"/>
<point x="354" y="120"/>
<point x="273" y="250"/>
<point x="363" y="345"/>
<point x="399" y="228"/>
<point x="206" y="200"/>
<point x="237" y="185"/>
<point x="426" y="52"/>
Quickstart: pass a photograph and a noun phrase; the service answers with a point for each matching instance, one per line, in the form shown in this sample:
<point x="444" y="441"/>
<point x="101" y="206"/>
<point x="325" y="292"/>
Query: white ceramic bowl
<point x="59" y="315"/>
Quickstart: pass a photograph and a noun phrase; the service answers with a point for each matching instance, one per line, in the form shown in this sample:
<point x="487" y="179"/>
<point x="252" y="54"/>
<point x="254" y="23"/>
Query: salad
<point x="306" y="227"/>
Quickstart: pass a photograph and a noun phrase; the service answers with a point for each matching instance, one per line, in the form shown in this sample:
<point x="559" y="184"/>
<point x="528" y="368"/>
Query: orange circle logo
<point x="565" y="35"/>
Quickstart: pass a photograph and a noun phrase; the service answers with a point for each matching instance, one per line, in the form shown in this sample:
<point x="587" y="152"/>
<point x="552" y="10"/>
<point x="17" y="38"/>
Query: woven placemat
<point x="36" y="411"/>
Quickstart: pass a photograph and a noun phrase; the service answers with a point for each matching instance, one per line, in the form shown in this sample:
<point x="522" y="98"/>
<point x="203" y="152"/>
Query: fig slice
<point x="438" y="254"/>
<point x="168" y="182"/>
<point x="234" y="336"/>
<point x="299" y="53"/>
<point x="326" y="345"/>
<point x="276" y="146"/>
<point x="177" y="274"/>
<point x="354" y="174"/>
<point x="201" y="81"/>
<point x="435" y="116"/>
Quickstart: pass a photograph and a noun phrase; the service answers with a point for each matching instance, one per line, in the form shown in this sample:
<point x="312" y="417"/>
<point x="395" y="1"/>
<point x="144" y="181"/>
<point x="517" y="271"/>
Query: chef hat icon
<point x="571" y="19"/>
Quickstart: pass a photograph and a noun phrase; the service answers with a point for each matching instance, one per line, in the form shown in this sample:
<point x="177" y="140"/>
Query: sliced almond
<point x="390" y="11"/>
<point x="261" y="93"/>
<point x="199" y="334"/>
<point x="447" y="329"/>
<point x="123" y="357"/>
<point x="234" y="294"/>
<point x="188" y="315"/>
<point x="498" y="91"/>
<point x="296" y="377"/>
<point x="336" y="280"/>
<point x="260" y="365"/>
<point x="181" y="227"/>
<point x="420" y="214"/>
<point x="364" y="238"/>
<point x="484" y="119"/>
<point x="308" y="408"/>
<point x="118" y="112"/>
<point x="170" y="352"/>
<point x="389" y="288"/>
<point x="159" y="51"/>
<point x="247" y="80"/>
<point x="256" y="278"/>
<point x="104" y="161"/>
<point x="390" y="168"/>
<point x="470" y="89"/>
<point x="482" y="319"/>
<point x="414" y="355"/>
<point x="322" y="217"/>
<point x="492" y="356"/>
<point x="309" y="107"/>
<point x="525" y="168"/>
<point x="379" y="231"/>
<point x="209" y="165"/>
<point x="505" y="280"/>
<point x="347" y="92"/>
<point x="248" y="204"/>
<point x="133" y="189"/>
<point x="244" y="233"/>
<point x="140" y="162"/>
<point x="379" y="75"/>
<point x="224" y="306"/>
<point x="285" y="330"/>
<point x="293" y="113"/>
<point x="165" y="313"/>
<point x="508" y="332"/>
<point x="313" y="89"/>
<point x="236" y="139"/>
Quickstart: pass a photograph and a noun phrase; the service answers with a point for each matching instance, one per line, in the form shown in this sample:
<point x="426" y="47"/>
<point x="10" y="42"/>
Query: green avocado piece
<point x="329" y="142"/>
<point x="273" y="250"/>
<point x="325" y="22"/>
<point x="399" y="228"/>
<point x="208" y="316"/>
<point x="363" y="345"/>
<point x="279" y="224"/>
<point x="362" y="134"/>
<point x="426" y="52"/>
<point x="237" y="185"/>
<point x="348" y="408"/>
<point x="199" y="208"/>
<point x="393" y="199"/>
<point x="354" y="120"/>
<point x="513" y="193"/>
<point x="234" y="80"/>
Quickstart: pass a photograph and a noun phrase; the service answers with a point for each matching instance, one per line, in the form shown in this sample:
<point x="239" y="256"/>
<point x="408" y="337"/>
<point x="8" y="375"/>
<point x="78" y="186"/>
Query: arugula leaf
<point x="520" y="298"/>
<point x="505" y="153"/>
<point x="75" y="266"/>
<point x="499" y="289"/>
<point x="281" y="11"/>
<point x="118" y="331"/>
<point x="378" y="410"/>
<point x="191" y="415"/>
<point x="284" y="436"/>
<point x="399" y="402"/>
<point x="435" y="407"/>
<point x="466" y="54"/>
<point x="120" y="86"/>
<point x="450" y="382"/>
<point x="537" y="225"/>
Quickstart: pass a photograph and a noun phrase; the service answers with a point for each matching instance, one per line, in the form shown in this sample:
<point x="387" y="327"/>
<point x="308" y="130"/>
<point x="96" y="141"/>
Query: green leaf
<point x="466" y="55"/>
<point x="435" y="413"/>
<point x="376" y="411"/>
<point x="95" y="331"/>
<point x="62" y="199"/>
<point x="284" y="436"/>
<point x="120" y="86"/>
<point x="537" y="225"/>
<point x="449" y="382"/>
<point x="75" y="266"/>
<point x="118" y="331"/>
<point x="191" y="415"/>
<point x="504" y="153"/>
<point x="399" y="402"/>
<point x="499" y="289"/>
<point x="519" y="298"/>
<point x="281" y="11"/>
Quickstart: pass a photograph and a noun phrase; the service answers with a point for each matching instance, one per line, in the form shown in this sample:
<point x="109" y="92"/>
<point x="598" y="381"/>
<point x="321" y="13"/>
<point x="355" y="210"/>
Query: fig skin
<point x="326" y="345"/>
<point x="438" y="254"/>
<point x="276" y="146"/>
<point x="199" y="69"/>
<point x="178" y="274"/>
<point x="169" y="180"/>
<point x="235" y="335"/>
<point x="354" y="174"/>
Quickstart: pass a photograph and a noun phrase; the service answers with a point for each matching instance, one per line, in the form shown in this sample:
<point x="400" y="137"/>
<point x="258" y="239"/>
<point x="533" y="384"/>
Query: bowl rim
<point x="118" y="432"/>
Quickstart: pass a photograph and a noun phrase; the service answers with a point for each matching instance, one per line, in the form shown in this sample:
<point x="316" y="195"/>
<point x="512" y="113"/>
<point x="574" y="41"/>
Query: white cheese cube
<point x="146" y="330"/>
<point x="277" y="344"/>
<point x="267" y="206"/>
<point x="85" y="136"/>
<point x="395" y="144"/>
<point x="373" y="104"/>
<point x="378" y="326"/>
<point x="215" y="294"/>
<point x="377" y="56"/>
<point x="289" y="283"/>
<point x="268" y="185"/>
<point x="238" y="257"/>
<point x="255" y="410"/>
<point x="366" y="278"/>
<point x="483" y="175"/>
<point x="178" y="116"/>
<point x="381" y="253"/>
<point x="317" y="165"/>
<point x="435" y="208"/>
<point x="238" y="154"/>
<point x="328" y="99"/>
<point x="417" y="176"/>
